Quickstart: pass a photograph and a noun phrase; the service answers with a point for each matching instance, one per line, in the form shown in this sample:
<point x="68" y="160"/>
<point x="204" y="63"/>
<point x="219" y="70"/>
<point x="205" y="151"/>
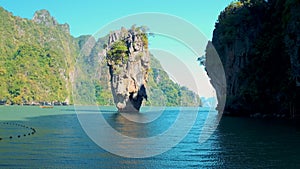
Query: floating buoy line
<point x="28" y="131"/>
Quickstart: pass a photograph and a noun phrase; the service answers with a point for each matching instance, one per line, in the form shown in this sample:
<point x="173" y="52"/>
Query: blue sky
<point x="86" y="17"/>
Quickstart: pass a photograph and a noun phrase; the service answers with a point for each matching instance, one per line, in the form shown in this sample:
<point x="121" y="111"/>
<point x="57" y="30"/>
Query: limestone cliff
<point x="292" y="37"/>
<point x="40" y="61"/>
<point x="43" y="17"/>
<point x="161" y="90"/>
<point x="129" y="62"/>
<point x="36" y="59"/>
<point x="258" y="43"/>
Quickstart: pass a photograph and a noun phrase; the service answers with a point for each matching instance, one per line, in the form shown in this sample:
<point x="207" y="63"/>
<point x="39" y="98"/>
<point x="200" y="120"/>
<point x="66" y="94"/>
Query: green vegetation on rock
<point x="161" y="90"/>
<point x="37" y="64"/>
<point x="118" y="52"/>
<point x="258" y="44"/>
<point x="36" y="59"/>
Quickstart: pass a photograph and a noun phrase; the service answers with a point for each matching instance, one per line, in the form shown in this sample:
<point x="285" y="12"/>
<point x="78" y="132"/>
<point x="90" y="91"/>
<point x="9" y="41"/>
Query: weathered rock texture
<point x="128" y="67"/>
<point x="43" y="17"/>
<point x="215" y="71"/>
<point x="259" y="45"/>
<point x="161" y="90"/>
<point x="47" y="63"/>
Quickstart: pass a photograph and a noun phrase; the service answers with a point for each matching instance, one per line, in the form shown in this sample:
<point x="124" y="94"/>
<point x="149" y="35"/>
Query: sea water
<point x="61" y="142"/>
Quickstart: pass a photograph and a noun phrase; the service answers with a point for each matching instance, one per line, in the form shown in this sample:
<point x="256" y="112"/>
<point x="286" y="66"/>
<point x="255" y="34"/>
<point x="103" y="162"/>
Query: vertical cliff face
<point x="233" y="39"/>
<point x="119" y="64"/>
<point x="215" y="71"/>
<point x="292" y="44"/>
<point x="258" y="44"/>
<point x="129" y="62"/>
<point x="292" y="38"/>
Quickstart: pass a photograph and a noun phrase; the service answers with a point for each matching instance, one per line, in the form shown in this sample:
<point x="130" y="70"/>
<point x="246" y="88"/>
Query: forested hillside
<point x="36" y="58"/>
<point x="37" y="62"/>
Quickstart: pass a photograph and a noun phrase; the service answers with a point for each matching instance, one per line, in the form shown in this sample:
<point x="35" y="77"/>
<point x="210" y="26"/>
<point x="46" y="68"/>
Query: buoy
<point x="21" y="126"/>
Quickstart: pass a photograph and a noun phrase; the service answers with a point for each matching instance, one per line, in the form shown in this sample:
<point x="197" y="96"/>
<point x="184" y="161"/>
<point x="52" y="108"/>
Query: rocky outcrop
<point x="129" y="62"/>
<point x="215" y="71"/>
<point x="258" y="43"/>
<point x="43" y="17"/>
<point x="233" y="39"/>
<point x="161" y="90"/>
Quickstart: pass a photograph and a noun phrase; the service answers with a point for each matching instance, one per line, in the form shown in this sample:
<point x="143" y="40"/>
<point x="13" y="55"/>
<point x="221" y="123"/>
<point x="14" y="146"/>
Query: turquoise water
<point x="60" y="142"/>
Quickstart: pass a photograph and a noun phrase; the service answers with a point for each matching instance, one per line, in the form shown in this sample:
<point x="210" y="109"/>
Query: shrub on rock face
<point x="118" y="52"/>
<point x="128" y="62"/>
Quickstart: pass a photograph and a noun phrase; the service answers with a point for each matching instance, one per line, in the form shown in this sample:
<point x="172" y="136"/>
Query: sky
<point x="90" y="16"/>
<point x="87" y="16"/>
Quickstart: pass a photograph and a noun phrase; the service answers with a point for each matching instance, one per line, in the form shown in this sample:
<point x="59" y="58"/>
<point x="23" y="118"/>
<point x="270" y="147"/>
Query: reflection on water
<point x="146" y="115"/>
<point x="122" y="123"/>
<point x="121" y="136"/>
<point x="126" y="127"/>
<point x="60" y="142"/>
